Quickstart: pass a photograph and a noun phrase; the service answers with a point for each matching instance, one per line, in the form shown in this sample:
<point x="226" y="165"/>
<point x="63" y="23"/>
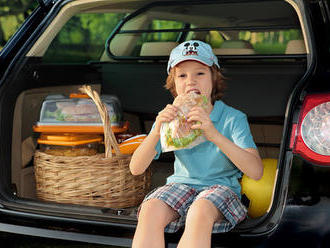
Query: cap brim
<point x="207" y="62"/>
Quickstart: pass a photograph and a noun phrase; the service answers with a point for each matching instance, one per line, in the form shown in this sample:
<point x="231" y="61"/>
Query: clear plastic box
<point x="76" y="111"/>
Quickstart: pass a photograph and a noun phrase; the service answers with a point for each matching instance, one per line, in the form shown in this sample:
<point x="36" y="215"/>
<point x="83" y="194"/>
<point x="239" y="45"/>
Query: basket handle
<point x="109" y="137"/>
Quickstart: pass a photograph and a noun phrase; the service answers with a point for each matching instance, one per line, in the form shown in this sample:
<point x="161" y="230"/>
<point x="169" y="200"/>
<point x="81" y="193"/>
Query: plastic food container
<point x="78" y="114"/>
<point x="70" y="145"/>
<point x="123" y="136"/>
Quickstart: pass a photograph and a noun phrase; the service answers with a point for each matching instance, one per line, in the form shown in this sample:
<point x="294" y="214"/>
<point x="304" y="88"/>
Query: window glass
<point x="156" y="36"/>
<point x="262" y="28"/>
<point x="82" y="38"/>
<point x="213" y="37"/>
<point x="270" y="42"/>
<point x="248" y="42"/>
<point x="12" y="15"/>
<point x="266" y="42"/>
<point x="162" y="36"/>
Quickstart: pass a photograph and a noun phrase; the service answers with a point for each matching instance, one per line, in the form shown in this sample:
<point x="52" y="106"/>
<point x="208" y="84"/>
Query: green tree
<point x="12" y="15"/>
<point x="83" y="37"/>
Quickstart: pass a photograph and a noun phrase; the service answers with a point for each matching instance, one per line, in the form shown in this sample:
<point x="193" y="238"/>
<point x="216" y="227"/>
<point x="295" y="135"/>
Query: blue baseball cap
<point x="192" y="50"/>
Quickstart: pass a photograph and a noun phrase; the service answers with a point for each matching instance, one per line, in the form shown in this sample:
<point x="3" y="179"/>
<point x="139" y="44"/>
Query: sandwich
<point x="178" y="134"/>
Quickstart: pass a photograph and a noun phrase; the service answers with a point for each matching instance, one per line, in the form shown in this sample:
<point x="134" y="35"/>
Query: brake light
<point x="312" y="136"/>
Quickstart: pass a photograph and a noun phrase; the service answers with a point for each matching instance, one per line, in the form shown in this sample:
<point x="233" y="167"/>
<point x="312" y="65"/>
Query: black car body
<point x="286" y="95"/>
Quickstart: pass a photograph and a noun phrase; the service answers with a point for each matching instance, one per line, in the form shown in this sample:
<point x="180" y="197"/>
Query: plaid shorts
<point x="180" y="196"/>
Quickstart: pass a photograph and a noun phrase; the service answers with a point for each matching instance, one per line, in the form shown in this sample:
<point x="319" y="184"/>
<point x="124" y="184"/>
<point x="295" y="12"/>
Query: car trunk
<point x="261" y="89"/>
<point x="258" y="85"/>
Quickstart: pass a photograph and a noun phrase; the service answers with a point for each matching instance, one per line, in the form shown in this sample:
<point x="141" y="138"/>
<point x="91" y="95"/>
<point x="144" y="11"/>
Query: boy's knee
<point x="150" y="208"/>
<point x="156" y="211"/>
<point x="203" y="211"/>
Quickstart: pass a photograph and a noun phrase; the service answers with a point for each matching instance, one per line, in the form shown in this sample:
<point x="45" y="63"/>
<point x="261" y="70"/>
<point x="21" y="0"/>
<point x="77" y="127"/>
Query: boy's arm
<point x="247" y="160"/>
<point x="144" y="154"/>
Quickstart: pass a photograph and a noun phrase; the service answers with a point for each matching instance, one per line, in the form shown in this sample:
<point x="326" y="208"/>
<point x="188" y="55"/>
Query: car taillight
<point x="312" y="133"/>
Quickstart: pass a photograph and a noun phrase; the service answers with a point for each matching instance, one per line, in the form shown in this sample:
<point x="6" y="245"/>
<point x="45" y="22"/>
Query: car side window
<point x="82" y="38"/>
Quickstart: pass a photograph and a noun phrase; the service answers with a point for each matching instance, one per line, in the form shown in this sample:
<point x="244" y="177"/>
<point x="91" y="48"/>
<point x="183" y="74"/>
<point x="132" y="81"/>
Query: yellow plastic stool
<point x="260" y="192"/>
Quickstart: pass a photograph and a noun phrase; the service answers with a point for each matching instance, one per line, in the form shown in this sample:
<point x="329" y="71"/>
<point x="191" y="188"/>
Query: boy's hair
<point x="218" y="83"/>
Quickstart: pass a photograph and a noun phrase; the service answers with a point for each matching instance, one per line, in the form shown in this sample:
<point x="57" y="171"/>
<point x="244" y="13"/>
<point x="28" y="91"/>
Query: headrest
<point x="232" y="51"/>
<point x="234" y="47"/>
<point x="295" y="47"/>
<point x="236" y="44"/>
<point x="157" y="48"/>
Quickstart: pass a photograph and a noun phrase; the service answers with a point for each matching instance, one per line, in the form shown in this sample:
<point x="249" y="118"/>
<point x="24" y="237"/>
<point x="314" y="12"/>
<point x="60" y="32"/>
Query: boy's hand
<point x="166" y="115"/>
<point x="202" y="121"/>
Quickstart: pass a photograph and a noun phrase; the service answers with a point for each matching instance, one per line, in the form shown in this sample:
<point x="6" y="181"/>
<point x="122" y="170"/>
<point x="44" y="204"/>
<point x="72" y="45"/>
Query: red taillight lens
<point x="312" y="140"/>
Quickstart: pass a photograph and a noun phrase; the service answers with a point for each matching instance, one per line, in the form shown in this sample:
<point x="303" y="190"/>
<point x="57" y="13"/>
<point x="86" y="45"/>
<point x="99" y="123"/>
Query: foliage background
<point x="12" y="15"/>
<point x="84" y="35"/>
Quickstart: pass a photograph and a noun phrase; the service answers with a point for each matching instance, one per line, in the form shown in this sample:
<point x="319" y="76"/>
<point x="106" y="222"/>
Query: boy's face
<point x="193" y="76"/>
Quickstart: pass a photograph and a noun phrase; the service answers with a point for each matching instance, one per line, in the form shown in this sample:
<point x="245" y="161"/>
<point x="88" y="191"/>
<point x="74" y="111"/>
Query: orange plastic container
<point x="63" y="128"/>
<point x="130" y="145"/>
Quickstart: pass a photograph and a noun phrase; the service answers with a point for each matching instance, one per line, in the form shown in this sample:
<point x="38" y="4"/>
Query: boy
<point x="203" y="194"/>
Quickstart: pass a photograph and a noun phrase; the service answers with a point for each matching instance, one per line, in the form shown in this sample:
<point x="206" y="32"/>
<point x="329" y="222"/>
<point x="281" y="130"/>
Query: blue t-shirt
<point x="205" y="164"/>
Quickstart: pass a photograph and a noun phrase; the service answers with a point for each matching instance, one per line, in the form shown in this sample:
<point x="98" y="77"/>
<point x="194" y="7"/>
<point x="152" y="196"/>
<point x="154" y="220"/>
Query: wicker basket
<point x="102" y="180"/>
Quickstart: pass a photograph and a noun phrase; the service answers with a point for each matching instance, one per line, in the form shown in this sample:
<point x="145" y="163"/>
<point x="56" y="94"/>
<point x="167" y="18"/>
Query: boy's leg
<point x="216" y="209"/>
<point x="153" y="218"/>
<point x="201" y="217"/>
